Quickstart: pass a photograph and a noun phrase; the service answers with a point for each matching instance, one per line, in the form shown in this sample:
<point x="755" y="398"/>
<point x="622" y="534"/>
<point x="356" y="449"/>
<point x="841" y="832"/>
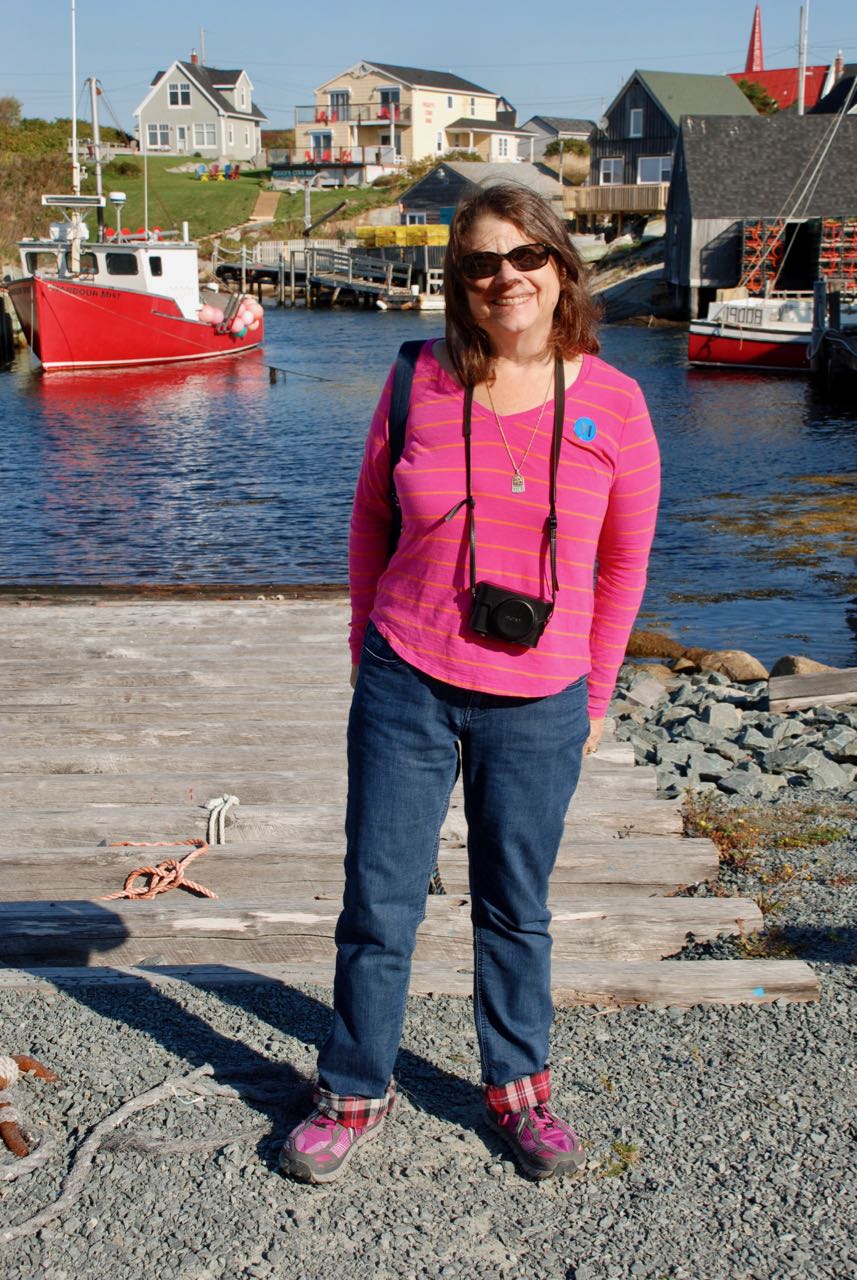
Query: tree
<point x="567" y="146"/>
<point x="10" y="111"/>
<point x="759" y="96"/>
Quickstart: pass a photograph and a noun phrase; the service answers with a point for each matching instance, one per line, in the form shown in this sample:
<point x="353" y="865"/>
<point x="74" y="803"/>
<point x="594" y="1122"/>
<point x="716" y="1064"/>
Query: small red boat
<point x="123" y="299"/>
<point x="754" y="333"/>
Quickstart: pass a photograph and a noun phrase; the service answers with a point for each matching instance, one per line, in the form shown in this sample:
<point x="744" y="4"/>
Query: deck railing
<point x="643" y="197"/>
<point x="362" y="113"/>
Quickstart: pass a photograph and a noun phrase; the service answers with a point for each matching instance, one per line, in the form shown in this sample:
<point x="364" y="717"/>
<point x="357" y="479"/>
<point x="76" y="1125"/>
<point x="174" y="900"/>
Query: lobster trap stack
<point x="762" y="244"/>
<point x="837" y="256"/>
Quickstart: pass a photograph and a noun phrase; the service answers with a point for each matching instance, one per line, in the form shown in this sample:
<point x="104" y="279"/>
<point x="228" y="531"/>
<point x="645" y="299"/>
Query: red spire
<point x="755" y="57"/>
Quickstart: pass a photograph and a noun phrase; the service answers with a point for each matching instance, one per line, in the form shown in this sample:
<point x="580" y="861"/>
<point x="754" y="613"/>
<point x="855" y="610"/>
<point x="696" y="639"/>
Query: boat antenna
<point x="75" y="160"/>
<point x="96" y="150"/>
<point x="145" y="179"/>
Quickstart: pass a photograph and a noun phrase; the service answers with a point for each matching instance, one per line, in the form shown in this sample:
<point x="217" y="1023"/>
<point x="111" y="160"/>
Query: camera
<point x="509" y="615"/>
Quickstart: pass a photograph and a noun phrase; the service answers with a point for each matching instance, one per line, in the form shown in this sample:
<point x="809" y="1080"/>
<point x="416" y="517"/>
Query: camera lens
<point x="513" y="618"/>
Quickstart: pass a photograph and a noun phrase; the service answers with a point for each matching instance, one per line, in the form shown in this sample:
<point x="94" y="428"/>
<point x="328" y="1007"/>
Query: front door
<point x="181" y="138"/>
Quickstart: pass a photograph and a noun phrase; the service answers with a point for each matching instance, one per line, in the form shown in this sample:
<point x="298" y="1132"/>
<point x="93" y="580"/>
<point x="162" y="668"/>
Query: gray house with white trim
<point x="192" y="109"/>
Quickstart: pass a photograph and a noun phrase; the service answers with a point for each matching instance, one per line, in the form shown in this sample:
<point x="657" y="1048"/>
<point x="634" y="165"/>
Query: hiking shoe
<point x="319" y="1149"/>
<point x="543" y="1144"/>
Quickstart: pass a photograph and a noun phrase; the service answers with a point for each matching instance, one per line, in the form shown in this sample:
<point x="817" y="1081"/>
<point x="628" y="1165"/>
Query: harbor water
<point x="214" y="474"/>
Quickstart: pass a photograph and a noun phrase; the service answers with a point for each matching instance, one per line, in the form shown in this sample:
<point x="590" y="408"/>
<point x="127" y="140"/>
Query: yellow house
<point x="378" y="114"/>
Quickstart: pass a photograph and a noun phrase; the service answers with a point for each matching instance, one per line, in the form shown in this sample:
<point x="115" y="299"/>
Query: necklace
<point x="518" y="483"/>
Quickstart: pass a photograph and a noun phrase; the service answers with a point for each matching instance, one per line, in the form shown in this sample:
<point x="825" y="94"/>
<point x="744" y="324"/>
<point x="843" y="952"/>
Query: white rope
<point x="8" y="1071"/>
<point x="10" y="1113"/>
<point x="217" y="811"/>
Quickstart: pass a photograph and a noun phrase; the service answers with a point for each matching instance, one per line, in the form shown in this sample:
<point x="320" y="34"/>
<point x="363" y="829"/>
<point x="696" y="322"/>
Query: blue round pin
<point x="585" y="429"/>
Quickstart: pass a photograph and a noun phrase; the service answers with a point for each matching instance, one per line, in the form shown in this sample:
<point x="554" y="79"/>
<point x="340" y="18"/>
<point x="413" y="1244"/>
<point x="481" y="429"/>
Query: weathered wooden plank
<point x="301" y="825"/>
<point x="291" y="786"/>
<point x="616" y="867"/>
<point x="574" y="982"/>
<point x="794" y="693"/>
<point x="81" y="932"/>
<point x="265" y="757"/>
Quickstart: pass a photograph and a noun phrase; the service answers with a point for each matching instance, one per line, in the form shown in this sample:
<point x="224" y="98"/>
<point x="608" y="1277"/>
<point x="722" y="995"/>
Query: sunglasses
<point x="526" y="257"/>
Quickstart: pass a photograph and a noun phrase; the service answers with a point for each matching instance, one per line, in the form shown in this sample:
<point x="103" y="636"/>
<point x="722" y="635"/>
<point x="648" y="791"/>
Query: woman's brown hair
<point x="575" y="319"/>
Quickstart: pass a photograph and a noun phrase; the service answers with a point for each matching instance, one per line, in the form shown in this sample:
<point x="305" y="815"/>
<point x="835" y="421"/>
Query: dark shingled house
<point x="729" y="170"/>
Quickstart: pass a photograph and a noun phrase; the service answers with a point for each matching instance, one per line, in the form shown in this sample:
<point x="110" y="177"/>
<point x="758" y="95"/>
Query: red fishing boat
<point x="117" y="298"/>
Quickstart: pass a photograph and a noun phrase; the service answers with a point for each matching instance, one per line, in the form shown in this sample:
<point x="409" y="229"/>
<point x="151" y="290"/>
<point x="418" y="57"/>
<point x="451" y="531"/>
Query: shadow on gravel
<point x="836" y="944"/>
<point x="276" y="1089"/>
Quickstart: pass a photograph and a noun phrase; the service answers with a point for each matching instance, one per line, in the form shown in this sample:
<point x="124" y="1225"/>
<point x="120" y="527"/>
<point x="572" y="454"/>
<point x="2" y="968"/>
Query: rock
<point x="658" y="671"/>
<point x="684" y="664"/>
<point x="651" y="644"/>
<point x="723" y="716"/>
<point x="830" y="776"/>
<point x="752" y="738"/>
<point x="841" y="745"/>
<point x="673" y="753"/>
<point x="796" y="665"/>
<point x="735" y="663"/>
<point x="646" y="692"/>
<point x="699" y="731"/>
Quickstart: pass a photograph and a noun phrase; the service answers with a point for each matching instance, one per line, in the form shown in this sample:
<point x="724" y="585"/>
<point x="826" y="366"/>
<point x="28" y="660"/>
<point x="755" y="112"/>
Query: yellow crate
<point x="385" y="236"/>
<point x="364" y="233"/>
<point x="437" y="233"/>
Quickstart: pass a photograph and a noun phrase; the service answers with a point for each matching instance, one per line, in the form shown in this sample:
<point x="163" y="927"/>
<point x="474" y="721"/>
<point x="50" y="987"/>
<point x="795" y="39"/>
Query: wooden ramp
<point x="121" y="720"/>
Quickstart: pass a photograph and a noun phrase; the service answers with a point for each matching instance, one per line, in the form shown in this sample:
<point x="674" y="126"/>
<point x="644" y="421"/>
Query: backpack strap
<point x="397" y="419"/>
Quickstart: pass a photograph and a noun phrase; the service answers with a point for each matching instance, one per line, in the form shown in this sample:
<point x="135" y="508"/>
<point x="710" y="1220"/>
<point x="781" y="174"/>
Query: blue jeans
<point x="520" y="761"/>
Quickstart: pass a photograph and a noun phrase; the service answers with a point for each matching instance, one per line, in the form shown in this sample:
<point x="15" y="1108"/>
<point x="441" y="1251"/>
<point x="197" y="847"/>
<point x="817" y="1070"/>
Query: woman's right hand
<point x="355" y="667"/>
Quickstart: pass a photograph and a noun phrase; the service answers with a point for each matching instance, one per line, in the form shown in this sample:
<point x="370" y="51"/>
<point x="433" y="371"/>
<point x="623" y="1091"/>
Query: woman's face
<point x="512" y="302"/>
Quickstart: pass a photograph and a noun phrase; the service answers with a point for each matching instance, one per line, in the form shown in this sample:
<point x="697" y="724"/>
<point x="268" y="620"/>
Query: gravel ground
<point x="720" y="1140"/>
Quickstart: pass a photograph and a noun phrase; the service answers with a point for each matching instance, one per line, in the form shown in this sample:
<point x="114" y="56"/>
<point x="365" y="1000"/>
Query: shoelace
<point x="547" y="1124"/>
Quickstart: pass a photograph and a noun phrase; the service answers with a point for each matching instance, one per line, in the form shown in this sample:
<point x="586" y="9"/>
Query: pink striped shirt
<point x="607" y="495"/>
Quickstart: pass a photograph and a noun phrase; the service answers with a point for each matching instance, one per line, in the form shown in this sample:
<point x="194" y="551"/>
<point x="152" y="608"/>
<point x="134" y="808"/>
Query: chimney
<point x="194" y="57"/>
<point x="838" y="67"/>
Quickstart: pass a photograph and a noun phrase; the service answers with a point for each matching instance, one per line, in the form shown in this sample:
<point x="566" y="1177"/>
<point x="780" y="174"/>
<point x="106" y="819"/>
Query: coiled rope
<point x="166" y="875"/>
<point x="217" y="811"/>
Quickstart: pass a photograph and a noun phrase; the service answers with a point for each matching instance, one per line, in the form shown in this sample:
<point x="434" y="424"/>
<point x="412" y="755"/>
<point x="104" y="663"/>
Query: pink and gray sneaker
<point x="543" y="1144"/>
<point x="319" y="1149"/>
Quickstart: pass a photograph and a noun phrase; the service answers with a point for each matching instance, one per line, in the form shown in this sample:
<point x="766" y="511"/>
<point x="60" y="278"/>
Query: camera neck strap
<point x="470" y="502"/>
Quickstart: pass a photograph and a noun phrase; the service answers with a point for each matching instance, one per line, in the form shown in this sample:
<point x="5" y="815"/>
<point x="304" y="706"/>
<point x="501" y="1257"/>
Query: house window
<point x="338" y="103"/>
<point x="243" y="98"/>
<point x="322" y="145"/>
<point x="503" y="148"/>
<point x="654" y="168"/>
<point x="158" y="135"/>
<point x="179" y="94"/>
<point x="611" y="171"/>
<point x="246" y="137"/>
<point x="439" y="144"/>
<point x="204" y="135"/>
<point x="636" y="126"/>
<point x="473" y="106"/>
<point x="389" y="104"/>
<point x="449" y="102"/>
<point x="230" y="135"/>
<point x="415" y="219"/>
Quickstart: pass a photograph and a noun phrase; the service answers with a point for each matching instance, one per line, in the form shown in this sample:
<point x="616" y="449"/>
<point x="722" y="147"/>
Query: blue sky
<point x="551" y="58"/>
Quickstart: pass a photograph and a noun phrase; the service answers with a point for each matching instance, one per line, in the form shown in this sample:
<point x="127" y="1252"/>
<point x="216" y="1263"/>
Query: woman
<point x="494" y="682"/>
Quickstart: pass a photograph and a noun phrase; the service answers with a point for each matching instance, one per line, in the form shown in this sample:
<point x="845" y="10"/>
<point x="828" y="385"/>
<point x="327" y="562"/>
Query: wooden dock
<point x="121" y="720"/>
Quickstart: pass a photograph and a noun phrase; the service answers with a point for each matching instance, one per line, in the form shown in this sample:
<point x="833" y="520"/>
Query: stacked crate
<point x="837" y="255"/>
<point x="762" y="245"/>
<point x="414" y="235"/>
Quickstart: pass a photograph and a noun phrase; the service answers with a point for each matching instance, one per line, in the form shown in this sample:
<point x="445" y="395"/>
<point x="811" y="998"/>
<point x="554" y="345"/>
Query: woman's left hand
<point x="596" y="728"/>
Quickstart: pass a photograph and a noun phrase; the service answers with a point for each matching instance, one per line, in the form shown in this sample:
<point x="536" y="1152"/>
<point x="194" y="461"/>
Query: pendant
<point x="518" y="485"/>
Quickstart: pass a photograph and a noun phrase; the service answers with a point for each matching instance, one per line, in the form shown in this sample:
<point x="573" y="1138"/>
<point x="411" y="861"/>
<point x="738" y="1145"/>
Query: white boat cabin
<point x="147" y="262"/>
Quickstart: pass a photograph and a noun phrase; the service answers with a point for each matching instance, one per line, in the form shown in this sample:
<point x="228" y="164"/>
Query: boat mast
<point x="75" y="161"/>
<point x="96" y="150"/>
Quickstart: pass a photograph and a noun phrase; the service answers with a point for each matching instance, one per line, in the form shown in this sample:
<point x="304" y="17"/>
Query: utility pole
<point x="801" y="69"/>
